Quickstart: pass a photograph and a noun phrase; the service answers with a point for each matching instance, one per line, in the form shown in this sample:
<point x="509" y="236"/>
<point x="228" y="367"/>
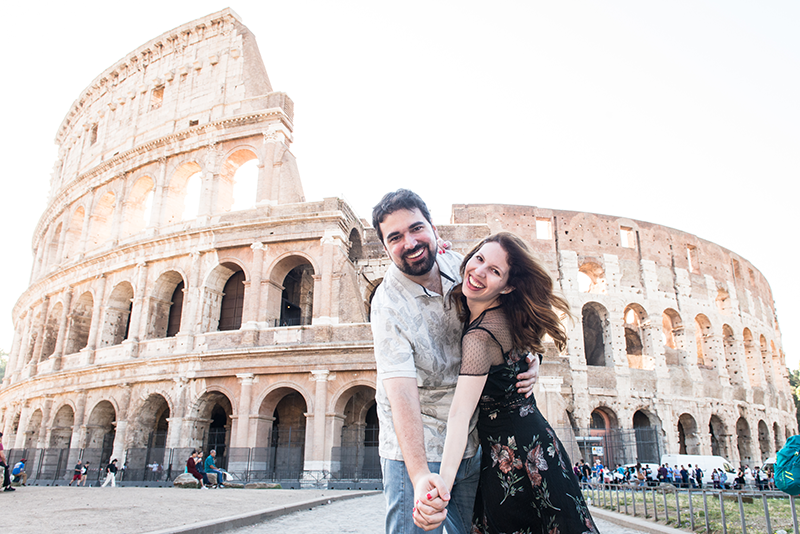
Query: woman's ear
<point x="507" y="290"/>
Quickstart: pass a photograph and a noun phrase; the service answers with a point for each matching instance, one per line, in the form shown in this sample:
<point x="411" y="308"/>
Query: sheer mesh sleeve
<point x="479" y="351"/>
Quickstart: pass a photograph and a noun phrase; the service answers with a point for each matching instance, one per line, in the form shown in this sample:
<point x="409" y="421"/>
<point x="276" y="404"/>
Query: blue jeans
<point x="399" y="493"/>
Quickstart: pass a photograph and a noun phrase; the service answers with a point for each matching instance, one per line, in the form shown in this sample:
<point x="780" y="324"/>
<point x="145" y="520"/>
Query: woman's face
<point x="486" y="274"/>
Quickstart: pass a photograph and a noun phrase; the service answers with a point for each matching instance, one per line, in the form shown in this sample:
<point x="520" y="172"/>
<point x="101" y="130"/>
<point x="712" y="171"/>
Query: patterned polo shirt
<point x="417" y="334"/>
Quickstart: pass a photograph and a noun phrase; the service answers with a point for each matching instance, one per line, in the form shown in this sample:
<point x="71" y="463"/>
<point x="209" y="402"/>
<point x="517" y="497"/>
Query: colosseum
<point x="175" y="303"/>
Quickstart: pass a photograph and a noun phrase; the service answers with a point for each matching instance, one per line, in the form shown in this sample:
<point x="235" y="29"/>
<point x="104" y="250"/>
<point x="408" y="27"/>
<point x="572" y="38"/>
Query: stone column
<point x="316" y="461"/>
<point x="176" y="421"/>
<point x="24" y="344"/>
<point x="58" y="353"/>
<point x="77" y="441"/>
<point x="243" y="418"/>
<point x="116" y="218"/>
<point x="266" y="170"/>
<point x="210" y="181"/>
<point x="44" y="431"/>
<point x="120" y="438"/>
<point x="137" y="309"/>
<point x="252" y="298"/>
<point x="97" y="320"/>
<point x="11" y="365"/>
<point x="324" y="311"/>
<point x="24" y="419"/>
<point x="159" y="192"/>
<point x="37" y="348"/>
<point x="192" y="305"/>
<point x="87" y="217"/>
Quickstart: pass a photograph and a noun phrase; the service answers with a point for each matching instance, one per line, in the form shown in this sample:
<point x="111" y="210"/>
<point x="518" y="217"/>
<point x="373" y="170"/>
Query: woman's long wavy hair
<point x="531" y="307"/>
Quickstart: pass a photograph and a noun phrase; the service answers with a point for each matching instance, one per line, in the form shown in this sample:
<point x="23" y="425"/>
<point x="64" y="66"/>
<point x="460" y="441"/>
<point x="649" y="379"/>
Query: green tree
<point x="794" y="382"/>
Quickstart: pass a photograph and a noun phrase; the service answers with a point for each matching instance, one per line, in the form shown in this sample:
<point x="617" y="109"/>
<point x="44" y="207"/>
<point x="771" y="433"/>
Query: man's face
<point x="410" y="241"/>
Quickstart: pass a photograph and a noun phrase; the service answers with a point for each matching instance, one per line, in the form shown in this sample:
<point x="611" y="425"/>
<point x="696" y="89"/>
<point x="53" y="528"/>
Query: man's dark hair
<point x="402" y="199"/>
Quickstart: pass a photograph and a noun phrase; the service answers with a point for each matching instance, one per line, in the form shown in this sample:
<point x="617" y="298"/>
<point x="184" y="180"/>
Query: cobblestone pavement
<point x="363" y="515"/>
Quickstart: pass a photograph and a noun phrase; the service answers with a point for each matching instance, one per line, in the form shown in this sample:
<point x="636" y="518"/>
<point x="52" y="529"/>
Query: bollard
<point x="741" y="513"/>
<point x="766" y="513"/>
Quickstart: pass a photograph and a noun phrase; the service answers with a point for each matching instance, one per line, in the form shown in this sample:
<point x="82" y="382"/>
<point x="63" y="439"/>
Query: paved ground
<point x="36" y="510"/>
<point x="363" y="515"/>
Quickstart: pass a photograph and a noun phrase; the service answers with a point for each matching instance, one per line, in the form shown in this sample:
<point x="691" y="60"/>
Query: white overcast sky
<point x="681" y="113"/>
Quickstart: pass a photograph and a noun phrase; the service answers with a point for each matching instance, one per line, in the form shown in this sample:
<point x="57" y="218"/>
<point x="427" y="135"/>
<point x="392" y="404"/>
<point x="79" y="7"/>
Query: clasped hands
<point x="431" y="497"/>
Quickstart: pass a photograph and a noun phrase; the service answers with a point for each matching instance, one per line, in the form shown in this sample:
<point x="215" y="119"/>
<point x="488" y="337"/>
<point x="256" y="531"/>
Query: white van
<point x="707" y="465"/>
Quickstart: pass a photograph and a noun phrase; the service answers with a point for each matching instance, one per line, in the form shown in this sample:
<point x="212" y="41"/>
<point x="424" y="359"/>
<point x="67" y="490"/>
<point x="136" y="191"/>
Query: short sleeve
<point x="479" y="351"/>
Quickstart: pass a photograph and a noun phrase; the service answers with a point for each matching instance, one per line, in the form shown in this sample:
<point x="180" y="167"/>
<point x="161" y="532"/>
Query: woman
<point x="191" y="467"/>
<point x="507" y="300"/>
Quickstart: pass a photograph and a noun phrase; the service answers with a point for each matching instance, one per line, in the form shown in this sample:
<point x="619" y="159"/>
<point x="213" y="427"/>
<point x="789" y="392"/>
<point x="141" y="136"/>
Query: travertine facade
<point x="154" y="320"/>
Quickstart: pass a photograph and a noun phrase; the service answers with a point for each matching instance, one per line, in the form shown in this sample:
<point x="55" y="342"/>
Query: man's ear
<point x="435" y="231"/>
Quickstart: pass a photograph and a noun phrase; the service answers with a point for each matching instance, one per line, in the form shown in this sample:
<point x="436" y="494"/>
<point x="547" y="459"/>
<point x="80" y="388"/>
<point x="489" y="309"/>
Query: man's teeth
<point x="416" y="254"/>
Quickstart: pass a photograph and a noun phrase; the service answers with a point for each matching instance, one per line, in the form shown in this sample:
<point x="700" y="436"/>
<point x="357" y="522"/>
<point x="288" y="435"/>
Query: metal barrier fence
<point x="702" y="510"/>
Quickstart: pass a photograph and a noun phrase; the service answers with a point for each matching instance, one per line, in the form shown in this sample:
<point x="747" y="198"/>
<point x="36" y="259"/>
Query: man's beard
<point x="417" y="269"/>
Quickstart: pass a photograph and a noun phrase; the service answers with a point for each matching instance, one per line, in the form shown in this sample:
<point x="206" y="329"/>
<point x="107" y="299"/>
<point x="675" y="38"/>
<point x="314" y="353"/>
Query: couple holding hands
<point x="451" y="334"/>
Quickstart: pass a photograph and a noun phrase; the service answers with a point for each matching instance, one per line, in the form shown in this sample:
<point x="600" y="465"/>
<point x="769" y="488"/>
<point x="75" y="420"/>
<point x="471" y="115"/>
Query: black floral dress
<point x="527" y="485"/>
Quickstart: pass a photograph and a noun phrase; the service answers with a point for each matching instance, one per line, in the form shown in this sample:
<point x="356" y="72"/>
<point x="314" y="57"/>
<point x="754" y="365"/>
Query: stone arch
<point x="602" y="422"/>
<point x="635" y="318"/>
<point x="101" y="220"/>
<point x="357" y="433"/>
<point x="753" y="357"/>
<point x="61" y="429"/>
<point x="688" y="435"/>
<point x="223" y="297"/>
<point x="673" y="336"/>
<point x="731" y="361"/>
<point x="137" y="206"/>
<point x="596" y="337"/>
<point x="718" y="434"/>
<point x="72" y="239"/>
<point x="51" y="330"/>
<point x="52" y="246"/>
<point x="118" y="315"/>
<point x="32" y="429"/>
<point x="282" y="430"/>
<point x="591" y="278"/>
<point x="238" y="180"/>
<point x="763" y="440"/>
<point x="293" y="274"/>
<point x="100" y="433"/>
<point x="703" y="338"/>
<point x="175" y="201"/>
<point x="149" y="425"/>
<point x="166" y="305"/>
<point x="744" y="441"/>
<point x="212" y="423"/>
<point x="646" y="426"/>
<point x="80" y="322"/>
<point x="354" y="249"/>
<point x="11" y="437"/>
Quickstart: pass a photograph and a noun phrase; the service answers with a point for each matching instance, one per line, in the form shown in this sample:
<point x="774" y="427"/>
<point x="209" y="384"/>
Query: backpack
<point x="787" y="467"/>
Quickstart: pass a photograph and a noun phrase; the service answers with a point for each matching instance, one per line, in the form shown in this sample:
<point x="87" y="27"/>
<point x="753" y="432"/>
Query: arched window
<point x="753" y="357"/>
<point x="673" y="336"/>
<point x="718" y="434"/>
<point x="166" y="306"/>
<point x="175" y="311"/>
<point x="230" y="315"/>
<point x="138" y="206"/>
<point x="354" y="254"/>
<point x="80" y="323"/>
<point x="52" y="247"/>
<point x="118" y="315"/>
<point x="180" y="203"/>
<point x="634" y="317"/>
<point x="297" y="299"/>
<point x="591" y="278"/>
<point x="594" y="336"/>
<point x="688" y="438"/>
<point x="100" y="224"/>
<point x="72" y="240"/>
<point x="705" y="347"/>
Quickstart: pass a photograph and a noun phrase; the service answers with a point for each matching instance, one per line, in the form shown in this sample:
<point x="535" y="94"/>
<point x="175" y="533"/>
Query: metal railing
<point x="712" y="511"/>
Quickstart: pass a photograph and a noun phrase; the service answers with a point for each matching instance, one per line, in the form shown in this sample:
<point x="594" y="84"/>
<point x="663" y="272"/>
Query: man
<point x="77" y="474"/>
<point x="84" y="473"/>
<point x="417" y="338"/>
<point x="18" y="472"/>
<point x="211" y="467"/>
<point x="4" y="465"/>
<point x="111" y="474"/>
